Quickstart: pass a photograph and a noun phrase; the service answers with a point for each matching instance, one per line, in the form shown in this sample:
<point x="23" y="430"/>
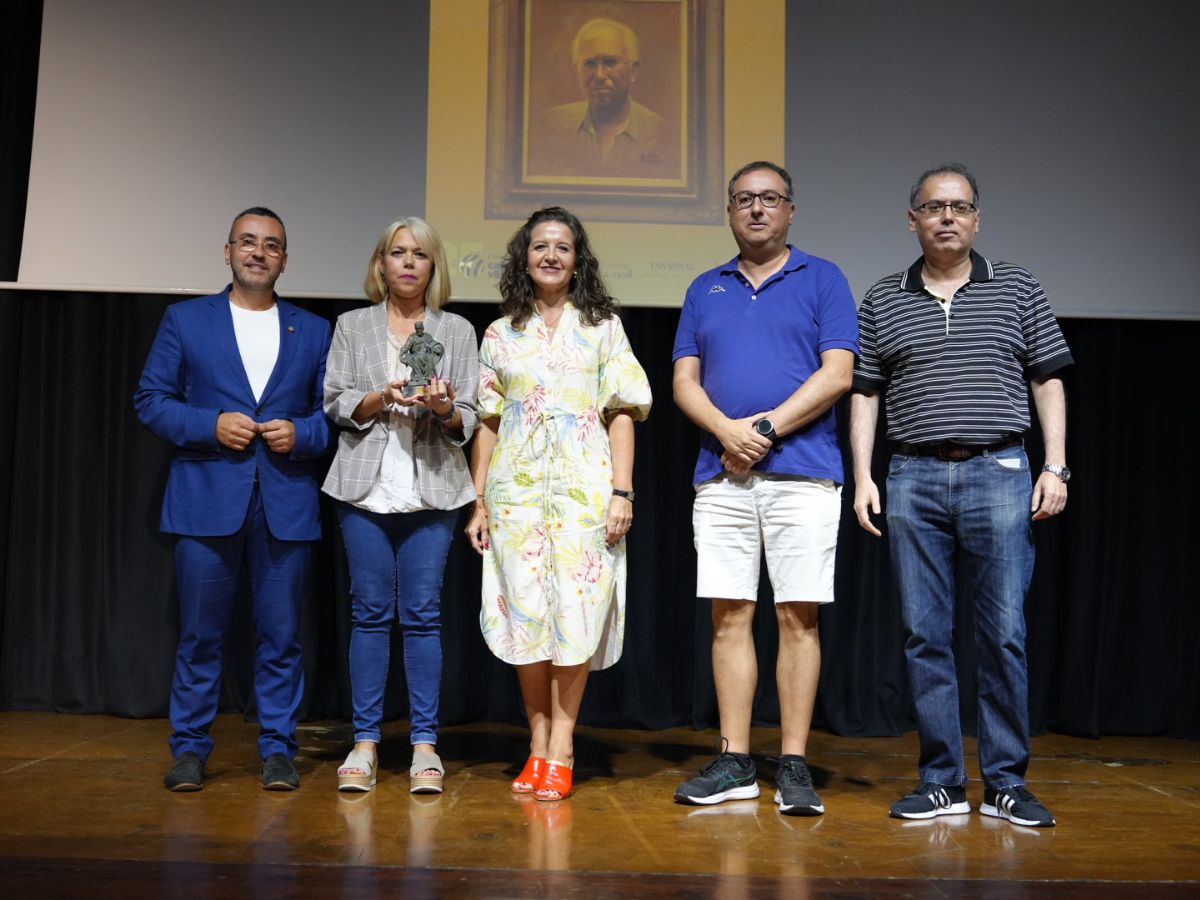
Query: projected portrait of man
<point x="608" y="133"/>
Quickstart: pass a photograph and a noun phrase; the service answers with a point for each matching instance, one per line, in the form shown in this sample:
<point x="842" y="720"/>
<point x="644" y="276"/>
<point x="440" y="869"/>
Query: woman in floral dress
<point x="559" y="391"/>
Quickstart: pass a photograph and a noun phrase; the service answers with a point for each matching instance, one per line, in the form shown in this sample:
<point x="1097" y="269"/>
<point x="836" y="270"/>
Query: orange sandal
<point x="556" y="781"/>
<point x="530" y="778"/>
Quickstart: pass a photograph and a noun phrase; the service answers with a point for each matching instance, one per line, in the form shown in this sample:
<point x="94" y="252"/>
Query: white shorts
<point x="794" y="519"/>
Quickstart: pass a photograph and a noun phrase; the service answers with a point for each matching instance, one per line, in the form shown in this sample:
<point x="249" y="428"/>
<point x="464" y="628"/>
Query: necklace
<point x="555" y="311"/>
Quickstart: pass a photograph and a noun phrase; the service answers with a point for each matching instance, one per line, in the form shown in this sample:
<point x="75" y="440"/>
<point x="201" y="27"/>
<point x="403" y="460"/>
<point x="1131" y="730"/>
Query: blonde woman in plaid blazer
<point x="400" y="476"/>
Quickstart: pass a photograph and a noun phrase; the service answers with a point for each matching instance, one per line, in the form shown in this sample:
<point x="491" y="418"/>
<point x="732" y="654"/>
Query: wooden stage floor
<point x="84" y="814"/>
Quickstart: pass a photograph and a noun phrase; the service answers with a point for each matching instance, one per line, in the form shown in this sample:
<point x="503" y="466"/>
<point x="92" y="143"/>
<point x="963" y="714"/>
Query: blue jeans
<point x="207" y="571"/>
<point x="965" y="522"/>
<point x="397" y="561"/>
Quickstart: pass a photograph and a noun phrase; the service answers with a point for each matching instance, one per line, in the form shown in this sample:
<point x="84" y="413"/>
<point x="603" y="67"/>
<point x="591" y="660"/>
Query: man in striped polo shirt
<point x="954" y="344"/>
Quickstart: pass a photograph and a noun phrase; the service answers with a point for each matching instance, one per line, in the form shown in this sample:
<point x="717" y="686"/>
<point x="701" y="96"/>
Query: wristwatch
<point x="766" y="428"/>
<point x="1061" y="471"/>
<point x="628" y="495"/>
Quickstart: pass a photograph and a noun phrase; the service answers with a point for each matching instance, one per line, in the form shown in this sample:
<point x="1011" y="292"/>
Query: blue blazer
<point x="194" y="373"/>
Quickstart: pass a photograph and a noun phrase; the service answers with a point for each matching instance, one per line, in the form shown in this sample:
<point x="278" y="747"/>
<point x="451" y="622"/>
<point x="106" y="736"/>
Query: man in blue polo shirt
<point x="765" y="347"/>
<point x="955" y="343"/>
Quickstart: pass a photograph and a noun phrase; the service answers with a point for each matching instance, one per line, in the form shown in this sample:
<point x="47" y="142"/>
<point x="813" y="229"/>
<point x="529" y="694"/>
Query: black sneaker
<point x="796" y="796"/>
<point x="930" y="800"/>
<point x="728" y="777"/>
<point x="1018" y="805"/>
<point x="186" y="773"/>
<point x="279" y="773"/>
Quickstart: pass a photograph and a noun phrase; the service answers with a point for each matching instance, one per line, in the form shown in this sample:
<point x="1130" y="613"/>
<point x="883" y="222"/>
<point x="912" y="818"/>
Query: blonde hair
<point x="437" y="294"/>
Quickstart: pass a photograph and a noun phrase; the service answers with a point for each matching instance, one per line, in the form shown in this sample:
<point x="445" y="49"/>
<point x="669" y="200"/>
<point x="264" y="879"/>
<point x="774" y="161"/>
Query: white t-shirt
<point x="257" y="333"/>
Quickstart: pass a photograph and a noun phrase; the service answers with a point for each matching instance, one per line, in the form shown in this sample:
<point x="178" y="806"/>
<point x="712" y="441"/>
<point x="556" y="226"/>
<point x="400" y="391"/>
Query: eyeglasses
<point x="769" y="199"/>
<point x="960" y="208"/>
<point x="270" y="246"/>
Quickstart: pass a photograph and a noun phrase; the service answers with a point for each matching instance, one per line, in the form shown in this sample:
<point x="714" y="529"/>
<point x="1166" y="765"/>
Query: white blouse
<point x="396" y="489"/>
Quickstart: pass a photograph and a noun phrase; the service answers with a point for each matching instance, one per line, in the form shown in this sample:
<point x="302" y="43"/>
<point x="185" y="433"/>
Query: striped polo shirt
<point x="958" y="370"/>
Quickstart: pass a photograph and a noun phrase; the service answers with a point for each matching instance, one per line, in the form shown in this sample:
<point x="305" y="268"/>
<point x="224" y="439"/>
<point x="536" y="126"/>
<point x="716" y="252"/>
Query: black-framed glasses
<point x="769" y="199"/>
<point x="270" y="246"/>
<point x="960" y="208"/>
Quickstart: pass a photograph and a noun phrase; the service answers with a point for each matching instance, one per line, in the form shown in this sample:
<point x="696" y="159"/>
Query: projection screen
<point x="156" y="122"/>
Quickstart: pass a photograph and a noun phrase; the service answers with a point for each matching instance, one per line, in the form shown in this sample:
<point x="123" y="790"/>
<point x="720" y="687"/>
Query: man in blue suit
<point x="235" y="380"/>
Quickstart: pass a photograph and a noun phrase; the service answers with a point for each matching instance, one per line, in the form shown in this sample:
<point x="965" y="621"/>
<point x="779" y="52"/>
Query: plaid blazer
<point x="357" y="365"/>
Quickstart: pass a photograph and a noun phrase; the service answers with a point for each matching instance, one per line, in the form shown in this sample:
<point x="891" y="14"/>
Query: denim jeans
<point x="397" y="561"/>
<point x="965" y="523"/>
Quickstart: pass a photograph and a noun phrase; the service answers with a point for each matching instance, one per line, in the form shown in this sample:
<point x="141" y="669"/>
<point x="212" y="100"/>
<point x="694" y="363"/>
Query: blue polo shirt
<point x="757" y="347"/>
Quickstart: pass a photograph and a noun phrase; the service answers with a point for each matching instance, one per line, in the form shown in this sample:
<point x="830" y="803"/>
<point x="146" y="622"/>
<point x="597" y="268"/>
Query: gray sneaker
<point x="1018" y="805"/>
<point x="930" y="800"/>
<point x="796" y="796"/>
<point x="728" y="777"/>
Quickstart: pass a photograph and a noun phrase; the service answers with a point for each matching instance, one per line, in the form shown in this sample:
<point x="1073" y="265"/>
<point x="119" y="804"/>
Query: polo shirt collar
<point x="797" y="259"/>
<point x="631" y="129"/>
<point x="911" y="280"/>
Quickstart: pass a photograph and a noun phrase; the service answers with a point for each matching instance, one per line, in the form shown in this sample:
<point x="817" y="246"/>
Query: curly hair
<point x="587" y="293"/>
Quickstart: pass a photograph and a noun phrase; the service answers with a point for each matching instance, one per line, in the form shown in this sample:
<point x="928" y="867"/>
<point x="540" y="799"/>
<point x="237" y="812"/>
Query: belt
<point x="952" y="452"/>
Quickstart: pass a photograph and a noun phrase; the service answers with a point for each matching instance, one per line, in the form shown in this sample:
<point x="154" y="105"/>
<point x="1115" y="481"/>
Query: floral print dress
<point x="552" y="589"/>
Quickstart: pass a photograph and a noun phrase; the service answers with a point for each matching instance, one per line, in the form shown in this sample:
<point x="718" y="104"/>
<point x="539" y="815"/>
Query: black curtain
<point x="88" y="613"/>
<point x="20" y="44"/>
<point x="88" y="618"/>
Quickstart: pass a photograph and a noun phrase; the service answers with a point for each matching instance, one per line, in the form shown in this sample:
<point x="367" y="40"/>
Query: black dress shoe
<point x="278" y="773"/>
<point x="186" y="773"/>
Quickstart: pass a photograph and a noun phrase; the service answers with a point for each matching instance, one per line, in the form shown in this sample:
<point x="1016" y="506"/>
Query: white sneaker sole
<point x="749" y="792"/>
<point x="988" y="810"/>
<point x="817" y="810"/>
<point x="954" y="809"/>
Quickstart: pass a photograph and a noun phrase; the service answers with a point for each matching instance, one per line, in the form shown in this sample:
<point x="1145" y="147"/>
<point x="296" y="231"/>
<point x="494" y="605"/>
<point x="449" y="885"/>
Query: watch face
<point x="764" y="427"/>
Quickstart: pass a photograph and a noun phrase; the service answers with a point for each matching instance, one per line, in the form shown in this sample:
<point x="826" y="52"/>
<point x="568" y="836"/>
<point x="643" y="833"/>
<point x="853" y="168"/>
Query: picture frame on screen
<point x="612" y="108"/>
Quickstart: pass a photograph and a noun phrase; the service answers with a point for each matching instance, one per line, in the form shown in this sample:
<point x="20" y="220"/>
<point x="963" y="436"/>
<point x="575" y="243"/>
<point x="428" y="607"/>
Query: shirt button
<point x="754" y="296"/>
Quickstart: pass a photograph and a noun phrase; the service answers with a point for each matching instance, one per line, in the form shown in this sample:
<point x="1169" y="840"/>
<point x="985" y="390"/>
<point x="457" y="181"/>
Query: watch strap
<point x="769" y="432"/>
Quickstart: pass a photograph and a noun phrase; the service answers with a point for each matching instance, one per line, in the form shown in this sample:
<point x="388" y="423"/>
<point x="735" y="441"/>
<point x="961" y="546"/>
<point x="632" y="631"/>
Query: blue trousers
<point x="207" y="570"/>
<point x="968" y="522"/>
<point x="397" y="562"/>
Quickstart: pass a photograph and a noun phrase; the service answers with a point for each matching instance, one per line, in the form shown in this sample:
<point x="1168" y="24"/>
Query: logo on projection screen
<point x="471" y="265"/>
